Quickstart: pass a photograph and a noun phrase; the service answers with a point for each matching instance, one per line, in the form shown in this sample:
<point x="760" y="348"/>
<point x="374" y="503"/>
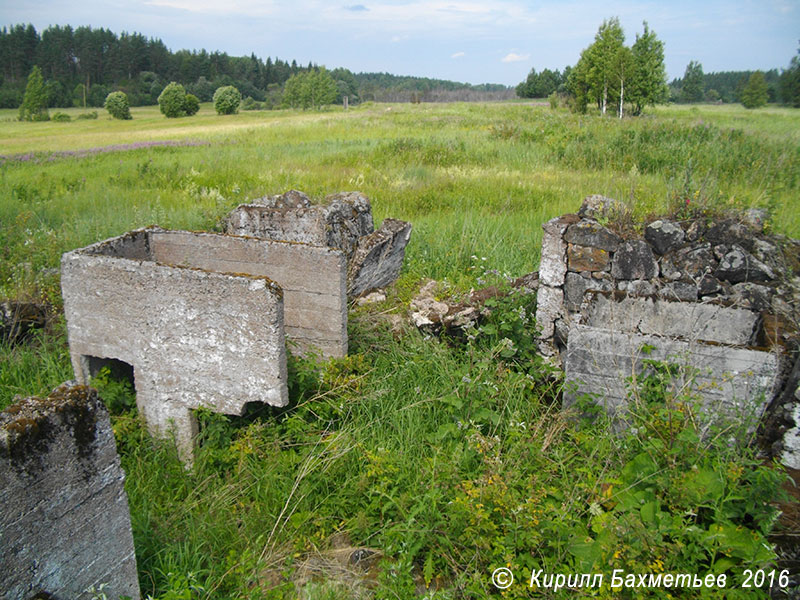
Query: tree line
<point x="609" y="74"/>
<point x="81" y="66"/>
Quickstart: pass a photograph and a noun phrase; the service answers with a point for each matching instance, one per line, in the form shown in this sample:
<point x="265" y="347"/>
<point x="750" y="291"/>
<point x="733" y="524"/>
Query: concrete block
<point x="200" y="318"/>
<point x="689" y="321"/>
<point x="553" y="262"/>
<point x="378" y="259"/>
<point x="65" y="523"/>
<point x="733" y="383"/>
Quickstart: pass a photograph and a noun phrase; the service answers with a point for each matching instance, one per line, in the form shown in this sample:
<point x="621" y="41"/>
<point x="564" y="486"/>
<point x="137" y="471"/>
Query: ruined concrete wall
<point x="65" y="523"/>
<point x="193" y="337"/>
<point x="313" y="279"/>
<point x="342" y="221"/>
<point x="338" y="222"/>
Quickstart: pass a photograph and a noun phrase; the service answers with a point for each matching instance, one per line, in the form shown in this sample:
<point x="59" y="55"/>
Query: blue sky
<point x="462" y="40"/>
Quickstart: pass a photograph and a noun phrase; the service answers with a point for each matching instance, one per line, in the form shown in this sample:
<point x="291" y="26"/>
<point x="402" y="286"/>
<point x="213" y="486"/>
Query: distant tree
<point x="692" y="88"/>
<point x="227" y="100"/>
<point x="596" y="77"/>
<point x="754" y="94"/>
<point x="790" y="82"/>
<point x="648" y="81"/>
<point x="34" y="102"/>
<point x="322" y="87"/>
<point x="172" y="101"/>
<point x="117" y="105"/>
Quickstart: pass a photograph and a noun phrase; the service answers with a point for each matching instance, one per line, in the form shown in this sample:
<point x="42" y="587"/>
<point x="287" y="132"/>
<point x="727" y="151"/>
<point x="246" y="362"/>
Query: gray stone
<point x="664" y="235"/>
<point x="199" y="319"/>
<point x="586" y="258"/>
<point x="791" y="439"/>
<point x="637" y="287"/>
<point x="553" y="261"/>
<point x="685" y="320"/>
<point x="753" y="296"/>
<point x="688" y="263"/>
<point x="576" y="286"/>
<point x="591" y="233"/>
<point x="679" y="291"/>
<point x="756" y="218"/>
<point x="597" y="206"/>
<point x="708" y="286"/>
<point x="734" y="384"/>
<point x="738" y="265"/>
<point x="65" y="523"/>
<point x="729" y="232"/>
<point x="549" y="307"/>
<point x="634" y="260"/>
<point x="379" y="257"/>
<point x="695" y="231"/>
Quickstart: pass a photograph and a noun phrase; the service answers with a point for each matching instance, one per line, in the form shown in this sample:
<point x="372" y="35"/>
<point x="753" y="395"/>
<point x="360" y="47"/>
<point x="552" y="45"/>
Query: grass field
<point x="447" y="460"/>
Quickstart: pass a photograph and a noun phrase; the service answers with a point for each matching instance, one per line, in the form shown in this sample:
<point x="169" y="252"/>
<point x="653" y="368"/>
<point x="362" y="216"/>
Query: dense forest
<point x="82" y="65"/>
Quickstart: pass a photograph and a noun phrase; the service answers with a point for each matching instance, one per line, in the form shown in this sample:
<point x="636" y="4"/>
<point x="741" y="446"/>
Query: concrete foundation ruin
<point x="199" y="319"/>
<point x="65" y="523"/>
<point x="342" y="221"/>
<point x="716" y="298"/>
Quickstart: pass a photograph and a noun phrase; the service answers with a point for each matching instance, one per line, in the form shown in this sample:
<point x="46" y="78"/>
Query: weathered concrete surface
<point x="791" y="439"/>
<point x="313" y="279"/>
<point x="65" y="523"/>
<point x="379" y="257"/>
<point x="553" y="264"/>
<point x="689" y="321"/>
<point x="733" y="383"/>
<point x="339" y="222"/>
<point x="194" y="337"/>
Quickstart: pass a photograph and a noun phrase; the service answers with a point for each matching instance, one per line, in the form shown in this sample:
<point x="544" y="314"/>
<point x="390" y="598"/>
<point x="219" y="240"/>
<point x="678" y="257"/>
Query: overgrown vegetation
<point x="441" y="459"/>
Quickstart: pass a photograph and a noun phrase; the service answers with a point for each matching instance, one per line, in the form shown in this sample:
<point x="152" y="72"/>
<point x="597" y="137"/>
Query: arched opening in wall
<point x="117" y="369"/>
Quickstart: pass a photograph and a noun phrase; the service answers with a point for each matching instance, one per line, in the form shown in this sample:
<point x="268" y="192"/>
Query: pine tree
<point x="692" y="88"/>
<point x="34" y="103"/>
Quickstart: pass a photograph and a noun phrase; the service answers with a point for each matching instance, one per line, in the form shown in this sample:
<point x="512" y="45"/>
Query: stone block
<point x="378" y="259"/>
<point x="791" y="439"/>
<point x="634" y="260"/>
<point x="65" y="523"/>
<point x="737" y="265"/>
<point x="734" y="384"/>
<point x="576" y="286"/>
<point x="664" y="235"/>
<point x="591" y="233"/>
<point x="553" y="261"/>
<point x="689" y="321"/>
<point x="586" y="258"/>
<point x="549" y="307"/>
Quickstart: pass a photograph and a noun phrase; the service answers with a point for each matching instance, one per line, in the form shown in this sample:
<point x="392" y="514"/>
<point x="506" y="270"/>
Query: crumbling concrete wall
<point x="718" y="297"/>
<point x="342" y="221"/>
<point x="65" y="523"/>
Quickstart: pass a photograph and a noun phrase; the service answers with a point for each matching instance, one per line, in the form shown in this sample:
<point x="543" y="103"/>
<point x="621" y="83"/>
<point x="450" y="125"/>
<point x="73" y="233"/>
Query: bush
<point x="191" y="105"/>
<point x="87" y="116"/>
<point x="250" y="104"/>
<point x="227" y="100"/>
<point x="61" y="117"/>
<point x="117" y="105"/>
<point x="172" y="101"/>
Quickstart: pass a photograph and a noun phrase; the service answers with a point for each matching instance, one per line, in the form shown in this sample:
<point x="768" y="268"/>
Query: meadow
<point x="445" y="459"/>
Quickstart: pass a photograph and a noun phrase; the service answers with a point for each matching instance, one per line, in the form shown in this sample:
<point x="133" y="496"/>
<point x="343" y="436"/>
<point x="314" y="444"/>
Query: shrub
<point x="227" y="100"/>
<point x="191" y="105"/>
<point x="61" y="117"/>
<point x="88" y="115"/>
<point x="117" y="105"/>
<point x="172" y="101"/>
<point x="250" y="104"/>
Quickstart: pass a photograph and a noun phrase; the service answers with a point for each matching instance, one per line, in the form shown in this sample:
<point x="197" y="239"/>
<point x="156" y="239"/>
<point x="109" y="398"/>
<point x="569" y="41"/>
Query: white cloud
<point x="458" y="55"/>
<point x="514" y="57"/>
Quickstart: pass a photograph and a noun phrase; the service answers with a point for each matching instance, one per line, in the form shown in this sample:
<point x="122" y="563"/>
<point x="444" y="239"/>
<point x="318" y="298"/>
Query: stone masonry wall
<point x="65" y="523"/>
<point x="718" y="296"/>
